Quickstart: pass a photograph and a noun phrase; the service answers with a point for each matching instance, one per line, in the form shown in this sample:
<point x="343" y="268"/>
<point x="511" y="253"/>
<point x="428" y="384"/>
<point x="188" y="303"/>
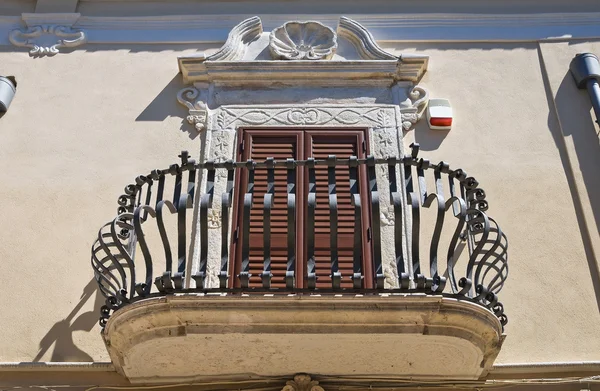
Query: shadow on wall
<point x="429" y="140"/>
<point x="576" y="123"/>
<point x="61" y="334"/>
<point x="165" y="105"/>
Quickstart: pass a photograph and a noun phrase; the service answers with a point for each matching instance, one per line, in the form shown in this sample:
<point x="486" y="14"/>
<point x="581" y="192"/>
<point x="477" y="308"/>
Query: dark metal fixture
<point x="8" y="87"/>
<point x="125" y="275"/>
<point x="585" y="69"/>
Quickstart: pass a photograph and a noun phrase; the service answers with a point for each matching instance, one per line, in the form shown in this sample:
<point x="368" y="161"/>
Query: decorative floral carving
<point x="63" y="37"/>
<point x="302" y="383"/>
<point x="387" y="216"/>
<point x="303" y="41"/>
<point x="414" y="106"/>
<point x="376" y="117"/>
<point x="198" y="111"/>
<point x="214" y="219"/>
<point x="391" y="275"/>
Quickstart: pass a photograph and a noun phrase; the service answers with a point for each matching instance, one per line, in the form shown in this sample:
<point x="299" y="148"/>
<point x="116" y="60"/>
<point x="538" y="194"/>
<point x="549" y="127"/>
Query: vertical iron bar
<point x="438" y="282"/>
<point x="244" y="275"/>
<point x="206" y="201"/>
<point x="163" y="283"/>
<point x="291" y="218"/>
<point x="310" y="224"/>
<point x="357" y="276"/>
<point x="459" y="209"/>
<point x="180" y="204"/>
<point x="413" y="199"/>
<point x="266" y="274"/>
<point x="336" y="276"/>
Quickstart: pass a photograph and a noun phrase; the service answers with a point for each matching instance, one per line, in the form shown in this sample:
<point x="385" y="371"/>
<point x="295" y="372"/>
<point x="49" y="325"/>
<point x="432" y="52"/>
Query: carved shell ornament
<point x="303" y="41"/>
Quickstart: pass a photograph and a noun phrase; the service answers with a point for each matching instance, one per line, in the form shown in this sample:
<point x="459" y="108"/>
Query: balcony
<point x="243" y="287"/>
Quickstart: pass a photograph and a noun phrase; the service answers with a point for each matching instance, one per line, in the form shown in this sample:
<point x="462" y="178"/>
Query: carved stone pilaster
<point x="197" y="109"/>
<point x="302" y="382"/>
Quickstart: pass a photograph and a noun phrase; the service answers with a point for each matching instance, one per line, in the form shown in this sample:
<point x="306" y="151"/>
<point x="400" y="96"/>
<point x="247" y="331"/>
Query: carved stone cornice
<point x="46" y="34"/>
<point x="302" y="382"/>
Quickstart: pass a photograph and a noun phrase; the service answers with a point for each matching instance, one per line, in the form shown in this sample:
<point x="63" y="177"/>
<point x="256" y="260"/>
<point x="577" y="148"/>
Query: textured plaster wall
<point x="80" y="128"/>
<point x="84" y="124"/>
<point x="506" y="135"/>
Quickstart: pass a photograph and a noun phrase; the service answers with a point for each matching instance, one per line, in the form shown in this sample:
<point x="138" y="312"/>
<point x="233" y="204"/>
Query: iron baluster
<point x="438" y="282"/>
<point x="206" y="201"/>
<point x="244" y="275"/>
<point x="310" y="224"/>
<point x="414" y="200"/>
<point x="336" y="276"/>
<point x="163" y="283"/>
<point x="357" y="277"/>
<point x="266" y="274"/>
<point x="291" y="218"/>
<point x="459" y="207"/>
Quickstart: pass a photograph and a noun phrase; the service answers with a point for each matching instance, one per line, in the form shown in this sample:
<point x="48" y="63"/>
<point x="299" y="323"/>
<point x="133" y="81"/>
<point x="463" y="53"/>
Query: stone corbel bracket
<point x="414" y="106"/>
<point x="47" y="34"/>
<point x="302" y="382"/>
<point x="198" y="111"/>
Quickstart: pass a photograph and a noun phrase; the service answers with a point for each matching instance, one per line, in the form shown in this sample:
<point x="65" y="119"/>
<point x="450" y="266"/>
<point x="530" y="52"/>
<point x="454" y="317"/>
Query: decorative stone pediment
<point x="347" y="55"/>
<point x="303" y="73"/>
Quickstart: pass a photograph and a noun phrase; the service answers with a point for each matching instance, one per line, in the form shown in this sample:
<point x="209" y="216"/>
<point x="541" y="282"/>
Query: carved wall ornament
<point x="362" y="40"/>
<point x="230" y="117"/>
<point x="303" y="41"/>
<point x="214" y="218"/>
<point x="388" y="216"/>
<point x="47" y="39"/>
<point x="197" y="109"/>
<point x="414" y="106"/>
<point x="302" y="383"/>
<point x="238" y="39"/>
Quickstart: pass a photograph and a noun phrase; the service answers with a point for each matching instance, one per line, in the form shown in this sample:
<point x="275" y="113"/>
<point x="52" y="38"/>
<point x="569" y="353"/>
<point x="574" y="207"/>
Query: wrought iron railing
<point x="478" y="279"/>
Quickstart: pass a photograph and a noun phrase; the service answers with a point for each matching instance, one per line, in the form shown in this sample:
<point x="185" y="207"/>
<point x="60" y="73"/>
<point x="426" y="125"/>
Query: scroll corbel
<point x="414" y="106"/>
<point x="197" y="109"/>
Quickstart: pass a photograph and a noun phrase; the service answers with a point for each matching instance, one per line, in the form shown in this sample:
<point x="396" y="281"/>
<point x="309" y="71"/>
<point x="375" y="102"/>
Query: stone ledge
<point x="190" y="337"/>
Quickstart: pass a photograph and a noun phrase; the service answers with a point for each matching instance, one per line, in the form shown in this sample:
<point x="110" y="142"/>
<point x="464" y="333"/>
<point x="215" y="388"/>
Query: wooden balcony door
<point x="259" y="145"/>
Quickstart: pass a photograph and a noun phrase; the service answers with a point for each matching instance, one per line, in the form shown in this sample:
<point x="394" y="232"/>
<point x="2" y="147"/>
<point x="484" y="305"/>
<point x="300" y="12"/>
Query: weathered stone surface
<point x="187" y="337"/>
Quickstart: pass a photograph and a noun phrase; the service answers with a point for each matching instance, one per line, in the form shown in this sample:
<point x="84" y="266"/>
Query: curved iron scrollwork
<point x="455" y="199"/>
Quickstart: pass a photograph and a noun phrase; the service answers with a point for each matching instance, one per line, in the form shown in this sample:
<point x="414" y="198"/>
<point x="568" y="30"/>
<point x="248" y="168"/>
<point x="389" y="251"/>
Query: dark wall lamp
<point x="585" y="69"/>
<point x="8" y="87"/>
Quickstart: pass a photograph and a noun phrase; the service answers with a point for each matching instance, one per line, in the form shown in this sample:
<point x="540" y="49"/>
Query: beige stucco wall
<point x="84" y="124"/>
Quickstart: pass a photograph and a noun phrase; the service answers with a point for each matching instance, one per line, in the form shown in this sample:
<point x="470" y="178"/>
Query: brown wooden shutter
<point x="297" y="144"/>
<point x="320" y="145"/>
<point x="260" y="148"/>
